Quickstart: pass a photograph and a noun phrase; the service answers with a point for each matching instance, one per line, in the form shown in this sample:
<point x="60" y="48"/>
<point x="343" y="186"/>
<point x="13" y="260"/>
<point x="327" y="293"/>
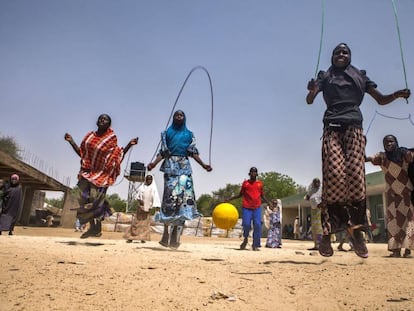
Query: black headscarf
<point x="398" y="153"/>
<point x="336" y="48"/>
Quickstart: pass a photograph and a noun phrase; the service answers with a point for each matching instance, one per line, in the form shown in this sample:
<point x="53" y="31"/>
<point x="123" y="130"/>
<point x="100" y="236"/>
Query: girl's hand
<point x="405" y="93"/>
<point x="68" y="137"/>
<point x="134" y="141"/>
<point x="312" y="86"/>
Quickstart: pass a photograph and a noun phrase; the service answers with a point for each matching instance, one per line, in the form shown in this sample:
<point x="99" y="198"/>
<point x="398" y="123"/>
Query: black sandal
<point x="358" y="241"/>
<point x="325" y="247"/>
<point x="395" y="254"/>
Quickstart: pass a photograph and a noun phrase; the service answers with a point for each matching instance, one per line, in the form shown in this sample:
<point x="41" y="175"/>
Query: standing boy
<point x="252" y="193"/>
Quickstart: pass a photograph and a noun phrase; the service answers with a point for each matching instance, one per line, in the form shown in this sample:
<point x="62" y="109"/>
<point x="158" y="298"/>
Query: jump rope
<point x="211" y="114"/>
<point x="401" y="54"/>
<point x="173" y="110"/>
<point x="316" y="73"/>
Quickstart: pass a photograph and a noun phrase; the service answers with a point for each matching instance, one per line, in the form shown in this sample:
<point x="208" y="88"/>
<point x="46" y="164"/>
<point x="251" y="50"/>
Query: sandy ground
<point x="52" y="269"/>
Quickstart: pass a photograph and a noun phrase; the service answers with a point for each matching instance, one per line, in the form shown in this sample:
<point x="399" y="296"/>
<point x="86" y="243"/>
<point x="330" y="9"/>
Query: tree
<point x="277" y="185"/>
<point x="301" y="189"/>
<point x="9" y="146"/>
<point x="205" y="204"/>
<point x="55" y="202"/>
<point x="116" y="202"/>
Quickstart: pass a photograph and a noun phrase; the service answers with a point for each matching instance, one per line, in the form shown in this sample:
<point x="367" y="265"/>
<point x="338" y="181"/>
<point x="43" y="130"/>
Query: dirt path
<point x="52" y="269"/>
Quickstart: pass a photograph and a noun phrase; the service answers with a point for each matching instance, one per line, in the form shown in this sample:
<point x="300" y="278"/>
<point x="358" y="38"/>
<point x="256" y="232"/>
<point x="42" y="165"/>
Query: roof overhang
<point x="29" y="176"/>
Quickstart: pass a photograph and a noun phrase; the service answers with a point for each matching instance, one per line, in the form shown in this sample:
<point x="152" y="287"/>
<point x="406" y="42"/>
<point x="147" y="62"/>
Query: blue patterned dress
<point x="178" y="202"/>
<point x="274" y="235"/>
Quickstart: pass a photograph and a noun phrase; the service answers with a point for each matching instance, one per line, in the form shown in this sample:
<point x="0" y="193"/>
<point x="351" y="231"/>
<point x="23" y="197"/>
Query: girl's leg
<point x="165" y="240"/>
<point x="175" y="236"/>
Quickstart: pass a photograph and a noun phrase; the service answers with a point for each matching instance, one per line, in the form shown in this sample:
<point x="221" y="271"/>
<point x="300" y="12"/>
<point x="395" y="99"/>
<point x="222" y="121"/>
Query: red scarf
<point x="101" y="158"/>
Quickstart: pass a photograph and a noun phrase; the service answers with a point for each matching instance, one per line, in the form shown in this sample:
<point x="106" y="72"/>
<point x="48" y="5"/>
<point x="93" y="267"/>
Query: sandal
<point x="163" y="243"/>
<point x="325" y="247"/>
<point x="358" y="241"/>
<point x="244" y="244"/>
<point x="395" y="254"/>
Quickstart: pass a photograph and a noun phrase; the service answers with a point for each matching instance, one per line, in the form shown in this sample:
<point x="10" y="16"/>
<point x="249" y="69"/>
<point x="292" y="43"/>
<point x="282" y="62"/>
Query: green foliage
<point x="301" y="189"/>
<point x="55" y="202"/>
<point x="116" y="202"/>
<point x="277" y="186"/>
<point x="9" y="146"/>
<point x="205" y="204"/>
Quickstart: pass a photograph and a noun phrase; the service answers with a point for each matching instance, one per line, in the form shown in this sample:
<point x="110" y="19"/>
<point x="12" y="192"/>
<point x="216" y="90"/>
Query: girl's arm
<point x="75" y="147"/>
<point x="386" y="99"/>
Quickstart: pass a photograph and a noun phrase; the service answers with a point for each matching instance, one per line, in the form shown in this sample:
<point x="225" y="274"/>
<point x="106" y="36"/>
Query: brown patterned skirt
<point x="343" y="184"/>
<point x="140" y="228"/>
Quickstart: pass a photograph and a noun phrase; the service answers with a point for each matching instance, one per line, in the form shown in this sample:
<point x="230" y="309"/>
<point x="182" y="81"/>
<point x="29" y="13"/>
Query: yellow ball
<point x="225" y="216"/>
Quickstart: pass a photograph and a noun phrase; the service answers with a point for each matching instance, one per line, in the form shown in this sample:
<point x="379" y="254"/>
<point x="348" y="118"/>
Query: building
<point x="296" y="205"/>
<point x="32" y="181"/>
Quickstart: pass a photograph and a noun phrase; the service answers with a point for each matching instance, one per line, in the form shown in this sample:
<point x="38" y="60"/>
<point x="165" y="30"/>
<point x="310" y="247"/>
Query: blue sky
<point x="65" y="62"/>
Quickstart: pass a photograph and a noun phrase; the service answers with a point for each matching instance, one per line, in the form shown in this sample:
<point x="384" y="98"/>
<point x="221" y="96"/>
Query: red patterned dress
<point x="100" y="166"/>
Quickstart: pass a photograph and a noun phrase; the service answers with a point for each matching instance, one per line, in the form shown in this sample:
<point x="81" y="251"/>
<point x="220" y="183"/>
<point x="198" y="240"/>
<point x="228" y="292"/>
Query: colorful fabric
<point x="178" y="141"/>
<point x="100" y="158"/>
<point x="400" y="210"/>
<point x="92" y="202"/>
<point x="274" y="235"/>
<point x="252" y="192"/>
<point x="178" y="204"/>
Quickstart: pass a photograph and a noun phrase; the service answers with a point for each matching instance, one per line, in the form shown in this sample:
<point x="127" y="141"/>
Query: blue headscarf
<point x="177" y="140"/>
